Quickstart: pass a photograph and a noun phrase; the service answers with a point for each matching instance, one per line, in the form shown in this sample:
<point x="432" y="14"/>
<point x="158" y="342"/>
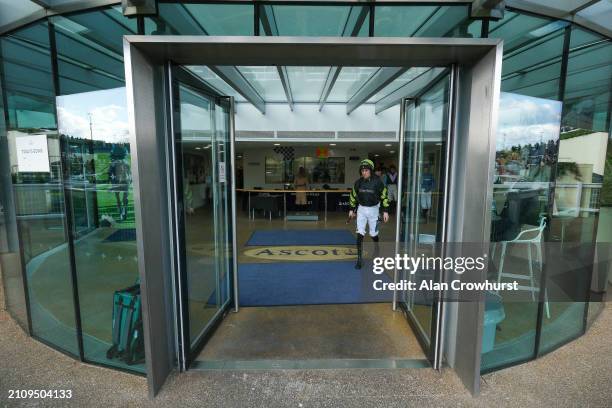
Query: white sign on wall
<point x="221" y="172"/>
<point x="32" y="153"/>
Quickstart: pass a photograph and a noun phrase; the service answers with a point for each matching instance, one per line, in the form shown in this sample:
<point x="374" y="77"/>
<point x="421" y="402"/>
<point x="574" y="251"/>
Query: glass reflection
<point x="202" y="155"/>
<point x="525" y="158"/>
<point x="94" y="130"/>
<point x="582" y="220"/>
<point x="422" y="204"/>
<point x="92" y="121"/>
<point x="36" y="169"/>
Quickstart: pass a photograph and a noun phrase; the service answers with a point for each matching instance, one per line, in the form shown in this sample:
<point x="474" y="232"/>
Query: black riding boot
<point x="359" y="251"/>
<point x="376" y="247"/>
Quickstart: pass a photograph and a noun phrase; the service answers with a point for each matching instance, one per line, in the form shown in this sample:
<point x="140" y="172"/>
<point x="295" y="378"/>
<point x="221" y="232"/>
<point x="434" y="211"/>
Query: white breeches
<point x="367" y="216"/>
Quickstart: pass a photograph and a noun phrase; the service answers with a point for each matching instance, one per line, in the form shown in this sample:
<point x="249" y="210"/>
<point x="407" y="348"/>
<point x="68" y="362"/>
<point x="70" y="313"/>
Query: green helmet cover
<point x="366" y="164"/>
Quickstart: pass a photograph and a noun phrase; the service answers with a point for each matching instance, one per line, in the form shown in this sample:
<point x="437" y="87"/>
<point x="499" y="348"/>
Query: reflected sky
<point x="105" y="111"/>
<point x="525" y="119"/>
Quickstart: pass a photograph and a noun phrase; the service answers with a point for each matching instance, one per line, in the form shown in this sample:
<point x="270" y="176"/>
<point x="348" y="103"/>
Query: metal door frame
<point x="434" y="354"/>
<point x="184" y="353"/>
<point x="478" y="64"/>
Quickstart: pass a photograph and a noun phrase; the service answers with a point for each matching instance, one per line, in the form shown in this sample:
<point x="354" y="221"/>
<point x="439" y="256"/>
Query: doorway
<point x="295" y="250"/>
<point x="478" y="62"/>
<point x="300" y="298"/>
<point x="426" y="168"/>
<point x="201" y="152"/>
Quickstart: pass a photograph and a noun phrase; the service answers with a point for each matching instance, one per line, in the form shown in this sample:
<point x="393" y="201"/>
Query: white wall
<point x="587" y="149"/>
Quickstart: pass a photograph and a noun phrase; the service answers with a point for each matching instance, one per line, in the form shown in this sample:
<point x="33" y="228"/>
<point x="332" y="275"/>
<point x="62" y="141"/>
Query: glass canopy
<point x="306" y="19"/>
<point x="316" y="84"/>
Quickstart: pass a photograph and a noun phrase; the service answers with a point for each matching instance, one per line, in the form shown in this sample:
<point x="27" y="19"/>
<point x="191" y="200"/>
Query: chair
<point x="529" y="237"/>
<point x="266" y="203"/>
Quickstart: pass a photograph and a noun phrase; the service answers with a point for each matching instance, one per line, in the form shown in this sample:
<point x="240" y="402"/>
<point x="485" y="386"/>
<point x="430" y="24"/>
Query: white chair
<point x="529" y="237"/>
<point x="427" y="239"/>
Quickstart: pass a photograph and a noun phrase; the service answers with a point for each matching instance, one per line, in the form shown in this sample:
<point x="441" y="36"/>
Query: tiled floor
<point x="358" y="331"/>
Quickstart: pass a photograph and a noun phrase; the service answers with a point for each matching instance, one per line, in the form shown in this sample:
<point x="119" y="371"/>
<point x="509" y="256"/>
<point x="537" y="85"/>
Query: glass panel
<point x="201" y="19"/>
<point x="266" y="81"/>
<point x="92" y="50"/>
<point x="214" y="81"/>
<point x="348" y="82"/>
<point x="307" y="82"/>
<point x="527" y="143"/>
<point x="424" y="21"/>
<point x="581" y="215"/>
<point x="223" y="184"/>
<point x="195" y="150"/>
<point x="315" y="20"/>
<point x="36" y="172"/>
<point x="93" y="124"/>
<point x="526" y="153"/>
<point x="424" y="166"/>
<point x="10" y="263"/>
<point x="532" y="54"/>
<point x="203" y="152"/>
<point x="398" y="82"/>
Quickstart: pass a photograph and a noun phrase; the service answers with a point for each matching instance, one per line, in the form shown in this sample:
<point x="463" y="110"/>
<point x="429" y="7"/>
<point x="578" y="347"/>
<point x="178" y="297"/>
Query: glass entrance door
<point x="201" y="147"/>
<point x="425" y="162"/>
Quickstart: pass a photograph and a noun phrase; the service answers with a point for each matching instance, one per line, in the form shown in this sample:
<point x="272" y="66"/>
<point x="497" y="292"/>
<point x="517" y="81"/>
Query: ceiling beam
<point x="358" y="14"/>
<point x="332" y="75"/>
<point x="409" y="90"/>
<point x="232" y="76"/>
<point x="383" y="77"/>
<point x="284" y="77"/>
<point x="268" y="21"/>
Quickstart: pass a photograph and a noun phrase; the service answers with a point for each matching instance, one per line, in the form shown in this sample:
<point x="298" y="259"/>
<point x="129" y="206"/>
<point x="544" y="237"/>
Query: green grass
<point x="107" y="205"/>
<point x="105" y="198"/>
<point x="575" y="133"/>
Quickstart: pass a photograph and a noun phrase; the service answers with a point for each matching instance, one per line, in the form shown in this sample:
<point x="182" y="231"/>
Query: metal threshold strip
<point x="323" y="364"/>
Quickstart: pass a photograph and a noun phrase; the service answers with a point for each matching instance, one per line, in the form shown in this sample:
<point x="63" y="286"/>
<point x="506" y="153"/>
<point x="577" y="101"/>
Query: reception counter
<point x="276" y="194"/>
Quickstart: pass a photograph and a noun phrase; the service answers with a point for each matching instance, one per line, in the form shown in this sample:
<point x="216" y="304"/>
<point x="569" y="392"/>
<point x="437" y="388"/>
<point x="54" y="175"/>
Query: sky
<point x="525" y="119"/>
<point x="108" y="109"/>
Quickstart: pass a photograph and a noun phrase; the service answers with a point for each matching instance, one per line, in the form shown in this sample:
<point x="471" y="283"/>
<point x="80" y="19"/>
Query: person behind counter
<point x="301" y="183"/>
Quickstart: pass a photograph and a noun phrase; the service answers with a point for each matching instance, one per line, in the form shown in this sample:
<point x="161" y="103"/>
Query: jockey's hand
<point x="351" y="214"/>
<point x="385" y="216"/>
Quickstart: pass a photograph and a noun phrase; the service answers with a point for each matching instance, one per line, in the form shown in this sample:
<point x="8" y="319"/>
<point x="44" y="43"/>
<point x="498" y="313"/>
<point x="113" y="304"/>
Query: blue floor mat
<point x="125" y="234"/>
<point x="308" y="283"/>
<point x="302" y="237"/>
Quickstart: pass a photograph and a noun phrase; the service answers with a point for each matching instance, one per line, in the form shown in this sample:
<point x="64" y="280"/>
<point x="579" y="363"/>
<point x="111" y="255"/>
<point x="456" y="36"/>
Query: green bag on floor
<point x="128" y="342"/>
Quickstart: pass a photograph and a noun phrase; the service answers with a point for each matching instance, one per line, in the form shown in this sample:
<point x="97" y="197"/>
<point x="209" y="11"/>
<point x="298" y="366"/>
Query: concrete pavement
<point x="578" y="374"/>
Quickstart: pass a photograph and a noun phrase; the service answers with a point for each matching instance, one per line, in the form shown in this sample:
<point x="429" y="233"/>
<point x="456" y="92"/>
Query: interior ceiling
<point x="351" y="86"/>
